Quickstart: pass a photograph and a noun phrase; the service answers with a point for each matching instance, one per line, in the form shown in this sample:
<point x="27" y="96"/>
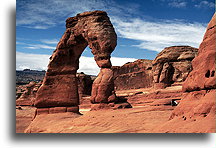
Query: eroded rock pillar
<point x="59" y="91"/>
<point x="103" y="87"/>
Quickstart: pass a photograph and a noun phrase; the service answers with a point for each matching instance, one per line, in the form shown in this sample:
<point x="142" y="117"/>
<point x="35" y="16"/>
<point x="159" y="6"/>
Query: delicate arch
<point x="59" y="91"/>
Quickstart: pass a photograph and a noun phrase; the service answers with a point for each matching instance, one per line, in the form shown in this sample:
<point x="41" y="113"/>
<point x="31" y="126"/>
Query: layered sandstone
<point x="133" y="75"/>
<point x="172" y="65"/>
<point x="196" y="111"/>
<point x="200" y="84"/>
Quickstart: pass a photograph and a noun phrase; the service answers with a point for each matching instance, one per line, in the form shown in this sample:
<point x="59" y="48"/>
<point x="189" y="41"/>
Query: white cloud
<point x="38" y="27"/>
<point x="158" y="35"/>
<point x="42" y="14"/>
<point x="19" y="43"/>
<point x="31" y="61"/>
<point x="50" y="41"/>
<point x="39" y="46"/>
<point x="151" y="35"/>
<point x="40" y="62"/>
<point x="117" y="61"/>
<point x="44" y="44"/>
<point x="205" y="4"/>
<point x="177" y="4"/>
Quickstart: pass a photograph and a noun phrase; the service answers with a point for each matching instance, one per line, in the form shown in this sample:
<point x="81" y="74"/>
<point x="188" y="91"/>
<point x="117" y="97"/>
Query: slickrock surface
<point x="150" y="109"/>
<point x="168" y="97"/>
<point x="196" y="111"/>
<point x="133" y="75"/>
<point x="172" y="65"/>
<point x="132" y="120"/>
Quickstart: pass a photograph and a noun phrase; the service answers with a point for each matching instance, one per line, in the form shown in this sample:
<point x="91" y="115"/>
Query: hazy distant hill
<point x="27" y="75"/>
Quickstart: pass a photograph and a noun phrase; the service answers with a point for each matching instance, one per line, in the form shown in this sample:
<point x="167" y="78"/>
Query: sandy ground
<point x="24" y="118"/>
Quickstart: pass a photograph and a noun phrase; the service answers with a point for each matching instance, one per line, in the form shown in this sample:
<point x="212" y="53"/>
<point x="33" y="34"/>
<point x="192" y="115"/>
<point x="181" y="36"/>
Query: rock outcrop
<point x="59" y="91"/>
<point x="163" y="97"/>
<point x="196" y="111"/>
<point x="84" y="84"/>
<point x="172" y="65"/>
<point x="200" y="84"/>
<point x="26" y="94"/>
<point x="133" y="75"/>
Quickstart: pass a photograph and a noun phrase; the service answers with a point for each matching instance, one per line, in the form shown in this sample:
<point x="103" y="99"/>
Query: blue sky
<point x="144" y="27"/>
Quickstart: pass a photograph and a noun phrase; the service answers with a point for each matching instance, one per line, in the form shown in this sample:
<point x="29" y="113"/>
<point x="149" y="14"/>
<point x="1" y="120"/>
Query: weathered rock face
<point x="26" y="94"/>
<point x="172" y="65"/>
<point x="203" y="74"/>
<point x="103" y="86"/>
<point x="84" y="84"/>
<point x="133" y="75"/>
<point x="199" y="103"/>
<point x="60" y="88"/>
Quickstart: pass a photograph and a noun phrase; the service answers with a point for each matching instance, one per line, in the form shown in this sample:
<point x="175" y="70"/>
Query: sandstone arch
<point x="59" y="91"/>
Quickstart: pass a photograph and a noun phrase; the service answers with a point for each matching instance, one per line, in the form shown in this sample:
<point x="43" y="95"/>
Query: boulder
<point x="172" y="65"/>
<point x="133" y="75"/>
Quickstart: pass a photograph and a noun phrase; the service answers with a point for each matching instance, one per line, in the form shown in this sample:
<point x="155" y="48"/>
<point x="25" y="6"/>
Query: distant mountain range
<point x="27" y="75"/>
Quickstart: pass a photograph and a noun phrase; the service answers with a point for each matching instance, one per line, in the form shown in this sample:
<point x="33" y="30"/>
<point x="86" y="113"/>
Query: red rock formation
<point x="172" y="65"/>
<point x="133" y="75"/>
<point x="103" y="86"/>
<point x="84" y="84"/>
<point x="201" y="81"/>
<point x="59" y="88"/>
<point x="156" y="98"/>
<point x="27" y="94"/>
<point x="196" y="111"/>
